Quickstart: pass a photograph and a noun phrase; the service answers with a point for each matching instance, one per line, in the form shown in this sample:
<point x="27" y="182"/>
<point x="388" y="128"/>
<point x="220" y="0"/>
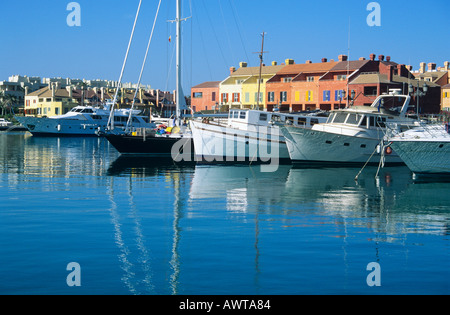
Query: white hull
<point x="425" y="150"/>
<point x="68" y="127"/>
<point x="216" y="143"/>
<point x="314" y="146"/>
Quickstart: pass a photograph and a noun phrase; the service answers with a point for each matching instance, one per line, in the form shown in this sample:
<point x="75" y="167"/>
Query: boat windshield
<point x="339" y="118"/>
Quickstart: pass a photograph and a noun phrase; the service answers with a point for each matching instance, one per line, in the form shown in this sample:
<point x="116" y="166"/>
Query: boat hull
<point x="217" y="144"/>
<point x="177" y="148"/>
<point x="424" y="157"/>
<point x="47" y="127"/>
<point x="309" y="146"/>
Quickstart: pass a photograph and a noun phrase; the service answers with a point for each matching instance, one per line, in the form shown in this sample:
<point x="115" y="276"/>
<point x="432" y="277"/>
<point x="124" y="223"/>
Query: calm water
<point x="136" y="226"/>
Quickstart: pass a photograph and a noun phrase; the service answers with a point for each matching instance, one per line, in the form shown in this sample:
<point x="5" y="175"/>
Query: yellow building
<point x="240" y="89"/>
<point x="445" y="97"/>
<point x="50" y="101"/>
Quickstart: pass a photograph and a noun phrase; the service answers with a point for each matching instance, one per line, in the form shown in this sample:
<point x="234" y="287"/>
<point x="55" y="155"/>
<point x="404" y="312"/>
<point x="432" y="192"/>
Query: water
<point x="139" y="226"/>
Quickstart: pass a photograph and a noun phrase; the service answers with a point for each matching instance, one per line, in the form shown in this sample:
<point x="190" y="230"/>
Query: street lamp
<point x="418" y="93"/>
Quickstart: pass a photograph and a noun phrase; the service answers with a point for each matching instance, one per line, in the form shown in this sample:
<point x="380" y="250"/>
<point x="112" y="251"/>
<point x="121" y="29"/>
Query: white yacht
<point x="247" y="135"/>
<point x="425" y="149"/>
<point x="351" y="136"/>
<point x="83" y="121"/>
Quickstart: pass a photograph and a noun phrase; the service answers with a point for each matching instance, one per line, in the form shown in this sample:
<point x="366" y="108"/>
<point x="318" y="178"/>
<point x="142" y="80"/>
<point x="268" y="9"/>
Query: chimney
<point x="447" y="65"/>
<point x="308" y="61"/>
<point x="388" y="58"/>
<point x="390" y="73"/>
<point x="324" y="60"/>
<point x="362" y="58"/>
<point x="243" y="64"/>
<point x="422" y="67"/>
<point x="53" y="91"/>
<point x="289" y="61"/>
<point x="274" y="63"/>
<point x="69" y="90"/>
<point x="343" y="58"/>
<point x="102" y="94"/>
<point x="26" y="90"/>
<point x="431" y="67"/>
<point x="381" y="57"/>
<point x="372" y="57"/>
<point x="400" y="71"/>
<point x="409" y="68"/>
<point x="232" y="70"/>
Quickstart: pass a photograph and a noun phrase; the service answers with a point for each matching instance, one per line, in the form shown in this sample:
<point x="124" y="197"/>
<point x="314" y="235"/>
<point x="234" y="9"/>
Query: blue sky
<point x="36" y="40"/>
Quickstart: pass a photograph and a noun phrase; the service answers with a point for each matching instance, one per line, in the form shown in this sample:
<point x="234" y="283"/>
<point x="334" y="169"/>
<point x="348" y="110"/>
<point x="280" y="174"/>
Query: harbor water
<point x="139" y="225"/>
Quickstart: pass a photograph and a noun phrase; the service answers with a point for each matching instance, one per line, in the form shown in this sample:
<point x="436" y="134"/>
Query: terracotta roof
<point x="249" y="71"/>
<point x="376" y="78"/>
<point x="206" y="85"/>
<point x="352" y="65"/>
<point x="307" y="68"/>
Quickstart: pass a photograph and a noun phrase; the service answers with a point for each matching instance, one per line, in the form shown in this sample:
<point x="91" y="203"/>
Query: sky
<point x="36" y="39"/>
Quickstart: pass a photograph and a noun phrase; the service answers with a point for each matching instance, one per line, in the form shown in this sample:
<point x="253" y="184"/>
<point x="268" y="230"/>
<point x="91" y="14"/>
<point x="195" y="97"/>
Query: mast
<point x="261" y="57"/>
<point x="178" y="47"/>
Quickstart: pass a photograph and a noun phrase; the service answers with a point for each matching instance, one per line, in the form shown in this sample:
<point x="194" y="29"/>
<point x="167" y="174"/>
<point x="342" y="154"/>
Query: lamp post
<point x="418" y="93"/>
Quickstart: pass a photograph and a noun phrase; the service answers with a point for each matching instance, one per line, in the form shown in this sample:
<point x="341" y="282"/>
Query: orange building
<point x="205" y="96"/>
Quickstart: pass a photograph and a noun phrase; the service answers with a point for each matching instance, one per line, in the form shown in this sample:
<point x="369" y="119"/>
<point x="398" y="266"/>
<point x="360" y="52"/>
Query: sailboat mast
<point x="261" y="57"/>
<point x="178" y="47"/>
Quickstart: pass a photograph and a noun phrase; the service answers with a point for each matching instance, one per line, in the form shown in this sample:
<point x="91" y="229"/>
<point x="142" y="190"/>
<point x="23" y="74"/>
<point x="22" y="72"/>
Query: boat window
<point x="364" y="122"/>
<point x="243" y="115"/>
<point x="236" y="114"/>
<point x="263" y="117"/>
<point x="353" y="119"/>
<point x="302" y="121"/>
<point x="330" y="118"/>
<point x="372" y="121"/>
<point x="314" y="121"/>
<point x="381" y="122"/>
<point x="340" y="118"/>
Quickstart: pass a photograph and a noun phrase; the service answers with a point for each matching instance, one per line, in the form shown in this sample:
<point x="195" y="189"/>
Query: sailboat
<point x="178" y="143"/>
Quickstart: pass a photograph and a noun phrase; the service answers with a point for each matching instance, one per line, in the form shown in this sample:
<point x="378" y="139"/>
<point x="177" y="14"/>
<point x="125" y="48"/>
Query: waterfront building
<point x="205" y="96"/>
<point x="240" y="89"/>
<point x="50" y="101"/>
<point x="445" y="98"/>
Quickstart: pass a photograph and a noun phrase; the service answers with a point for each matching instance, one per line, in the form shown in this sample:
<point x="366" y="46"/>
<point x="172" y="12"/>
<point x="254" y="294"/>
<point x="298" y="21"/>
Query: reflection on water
<point x="198" y="229"/>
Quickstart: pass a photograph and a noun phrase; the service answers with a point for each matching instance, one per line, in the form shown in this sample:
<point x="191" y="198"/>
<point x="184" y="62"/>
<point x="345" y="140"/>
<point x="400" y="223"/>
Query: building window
<point x="247" y="97"/>
<point x="326" y="96"/>
<point x="236" y="97"/>
<point x="309" y="79"/>
<point x="341" y="77"/>
<point x="198" y="95"/>
<point x="338" y="95"/>
<point x="224" y="97"/>
<point x="370" y="91"/>
<point x="283" y="96"/>
<point x="271" y="96"/>
<point x="309" y="96"/>
<point x="260" y="97"/>
<point x="287" y="80"/>
<point x="213" y="96"/>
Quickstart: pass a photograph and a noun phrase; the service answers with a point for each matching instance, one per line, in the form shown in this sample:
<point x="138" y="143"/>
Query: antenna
<point x="261" y="60"/>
